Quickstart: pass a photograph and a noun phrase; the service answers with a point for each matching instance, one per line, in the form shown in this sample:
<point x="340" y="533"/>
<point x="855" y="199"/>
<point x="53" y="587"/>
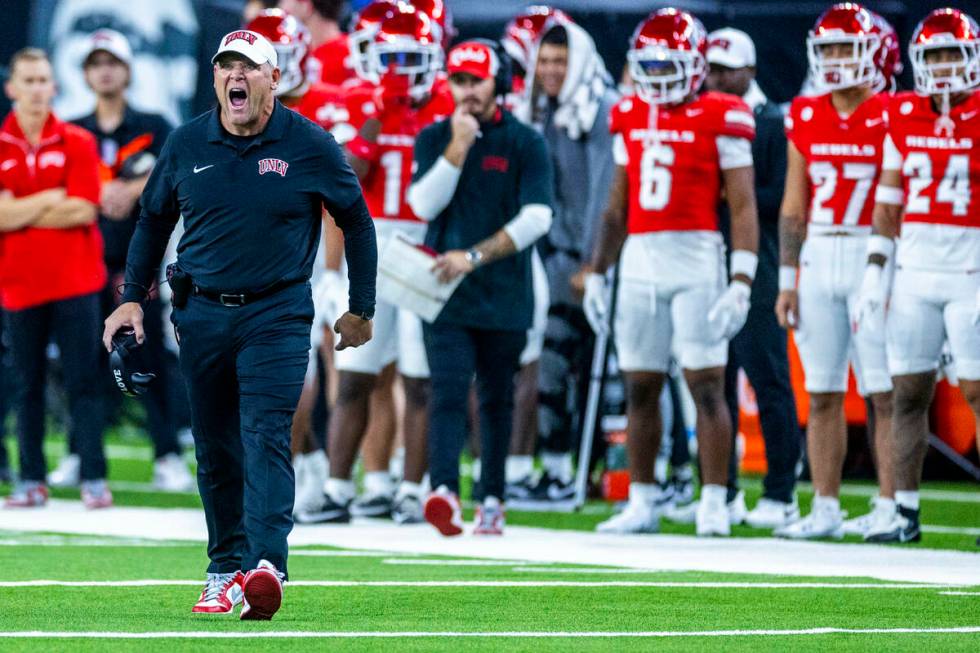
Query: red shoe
<point x="263" y="592"/>
<point x="221" y="594"/>
<point x="442" y="511"/>
<point x="489" y="518"/>
<point x="96" y="495"/>
<point x="27" y="494"/>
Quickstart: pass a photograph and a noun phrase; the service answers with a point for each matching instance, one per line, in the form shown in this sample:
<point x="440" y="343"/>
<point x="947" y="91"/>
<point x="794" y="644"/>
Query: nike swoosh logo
<point x="694" y="112"/>
<point x="197" y="170"/>
<point x="967" y="116"/>
<point x="872" y="123"/>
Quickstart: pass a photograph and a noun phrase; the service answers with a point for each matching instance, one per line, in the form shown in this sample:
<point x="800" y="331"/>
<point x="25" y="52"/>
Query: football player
<point x="405" y="56"/>
<point x="676" y="150"/>
<point x="833" y="161"/>
<point x="931" y="165"/>
<point x="330" y="60"/>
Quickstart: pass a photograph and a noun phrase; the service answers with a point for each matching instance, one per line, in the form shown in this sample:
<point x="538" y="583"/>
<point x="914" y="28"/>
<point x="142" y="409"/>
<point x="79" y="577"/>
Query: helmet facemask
<point x="834" y="73"/>
<point x="956" y="72"/>
<point x="292" y="75"/>
<point x="664" y="75"/>
<point x="419" y="62"/>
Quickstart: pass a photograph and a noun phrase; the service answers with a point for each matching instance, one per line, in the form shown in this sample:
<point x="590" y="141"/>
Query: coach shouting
<point x="484" y="183"/>
<point x="251" y="179"/>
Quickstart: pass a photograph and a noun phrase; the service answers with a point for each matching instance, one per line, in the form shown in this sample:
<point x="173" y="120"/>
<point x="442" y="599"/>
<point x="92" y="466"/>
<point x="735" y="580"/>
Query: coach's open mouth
<point x="237" y="97"/>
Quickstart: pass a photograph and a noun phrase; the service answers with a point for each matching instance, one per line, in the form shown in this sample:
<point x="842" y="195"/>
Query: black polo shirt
<point x="127" y="152"/>
<point x="506" y="168"/>
<point x="252" y="208"/>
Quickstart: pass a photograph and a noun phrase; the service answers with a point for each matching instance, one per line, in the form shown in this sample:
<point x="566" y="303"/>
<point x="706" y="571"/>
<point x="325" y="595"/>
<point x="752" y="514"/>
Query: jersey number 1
<point x="391" y="161"/>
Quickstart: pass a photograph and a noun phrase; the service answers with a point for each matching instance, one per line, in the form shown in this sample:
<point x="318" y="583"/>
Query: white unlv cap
<point x="253" y="46"/>
<point x="731" y="48"/>
<point x="111" y="41"/>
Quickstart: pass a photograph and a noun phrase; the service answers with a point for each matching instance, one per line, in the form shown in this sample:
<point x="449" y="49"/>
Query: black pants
<point x="8" y="389"/>
<point x="75" y="326"/>
<point x="160" y="422"/>
<point x="455" y="354"/>
<point x="760" y="349"/>
<point x="244" y="368"/>
<point x="566" y="361"/>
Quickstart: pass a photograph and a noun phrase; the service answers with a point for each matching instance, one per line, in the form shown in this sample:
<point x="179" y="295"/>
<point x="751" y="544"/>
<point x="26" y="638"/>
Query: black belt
<point x="241" y="298"/>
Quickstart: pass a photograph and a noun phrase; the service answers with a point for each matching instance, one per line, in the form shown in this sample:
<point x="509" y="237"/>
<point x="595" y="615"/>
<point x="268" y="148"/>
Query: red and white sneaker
<point x="27" y="494"/>
<point x="263" y="592"/>
<point x="489" y="518"/>
<point x="442" y="510"/>
<point x="96" y="495"/>
<point x="222" y="592"/>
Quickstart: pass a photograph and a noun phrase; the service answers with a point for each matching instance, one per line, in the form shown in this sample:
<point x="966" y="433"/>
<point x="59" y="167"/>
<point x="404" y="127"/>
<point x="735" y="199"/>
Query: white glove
<point x="727" y="317"/>
<point x="871" y="299"/>
<point x="326" y="293"/>
<point x="595" y="303"/>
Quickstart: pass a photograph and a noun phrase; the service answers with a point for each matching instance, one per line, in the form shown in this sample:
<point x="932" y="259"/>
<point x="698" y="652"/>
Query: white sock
<point x="714" y="494"/>
<point x="339" y="489"/>
<point x="885" y="503"/>
<point x="907" y="499"/>
<point x="660" y="470"/>
<point x="407" y="488"/>
<point x="491" y="502"/>
<point x="476" y="470"/>
<point x="318" y="466"/>
<point x="830" y="504"/>
<point x="645" y="493"/>
<point x="378" y="483"/>
<point x="558" y="465"/>
<point x="519" y="468"/>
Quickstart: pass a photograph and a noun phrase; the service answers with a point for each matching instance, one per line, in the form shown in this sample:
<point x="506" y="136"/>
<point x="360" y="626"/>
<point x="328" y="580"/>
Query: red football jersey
<point x="843" y="157"/>
<point x="940" y="167"/>
<point x="330" y="61"/>
<point x="674" y="175"/>
<point x="388" y="180"/>
<point x="326" y="106"/>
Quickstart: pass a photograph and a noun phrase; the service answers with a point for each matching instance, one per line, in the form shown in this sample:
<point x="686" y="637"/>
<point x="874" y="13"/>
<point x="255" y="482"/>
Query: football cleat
<point x="550" y="488"/>
<point x="490" y="517"/>
<point x="522" y="490"/>
<point x="820" y="523"/>
<point x="66" y="474"/>
<point x="442" y="510"/>
<point x="903" y="527"/>
<point x="262" y="592"/>
<point x="407" y="509"/>
<point x="325" y="511"/>
<point x="881" y="515"/>
<point x="221" y="593"/>
<point x="714" y="518"/>
<point x="170" y="474"/>
<point x="687" y="513"/>
<point x="27" y="494"/>
<point x="96" y="495"/>
<point x="374" y="505"/>
<point x="737" y="510"/>
<point x="682" y="489"/>
<point x="638" y="517"/>
<point x="773" y="514"/>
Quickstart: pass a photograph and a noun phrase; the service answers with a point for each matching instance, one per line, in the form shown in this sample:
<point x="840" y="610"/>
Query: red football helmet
<point x="362" y="31"/>
<point x="667" y="58"/>
<point x="408" y="44"/>
<point x="439" y="12"/>
<point x="522" y="33"/>
<point x="844" y="24"/>
<point x="291" y="40"/>
<point x="952" y="31"/>
<point x="889" y="59"/>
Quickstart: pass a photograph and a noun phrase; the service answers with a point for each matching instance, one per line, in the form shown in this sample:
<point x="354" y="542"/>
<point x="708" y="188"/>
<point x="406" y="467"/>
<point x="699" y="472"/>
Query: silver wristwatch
<point x="474" y="257"/>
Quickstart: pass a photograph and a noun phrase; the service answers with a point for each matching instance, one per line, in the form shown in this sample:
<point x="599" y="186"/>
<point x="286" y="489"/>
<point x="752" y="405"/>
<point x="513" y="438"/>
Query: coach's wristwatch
<point x="474" y="257"/>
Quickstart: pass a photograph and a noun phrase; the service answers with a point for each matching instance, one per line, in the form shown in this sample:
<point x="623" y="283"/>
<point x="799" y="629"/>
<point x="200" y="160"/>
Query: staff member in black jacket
<point x="484" y="182"/>
<point x="251" y="179"/>
<point x="760" y="348"/>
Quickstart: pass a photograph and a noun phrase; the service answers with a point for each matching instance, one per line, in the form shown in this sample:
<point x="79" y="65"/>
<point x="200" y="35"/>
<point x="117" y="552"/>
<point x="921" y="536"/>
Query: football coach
<point x="250" y="179"/>
<point x="484" y="183"/>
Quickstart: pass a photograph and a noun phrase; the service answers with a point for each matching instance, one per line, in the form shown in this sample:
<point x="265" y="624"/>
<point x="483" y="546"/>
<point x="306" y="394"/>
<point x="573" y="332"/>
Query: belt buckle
<point x="227" y="299"/>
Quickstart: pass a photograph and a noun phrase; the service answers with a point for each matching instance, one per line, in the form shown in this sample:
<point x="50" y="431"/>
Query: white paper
<point x="406" y="280"/>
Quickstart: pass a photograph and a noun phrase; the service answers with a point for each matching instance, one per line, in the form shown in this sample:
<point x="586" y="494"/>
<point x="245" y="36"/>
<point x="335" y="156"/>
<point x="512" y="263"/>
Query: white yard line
<point x="524" y="545"/>
<point x="443" y="562"/>
<point x="960" y="593"/>
<point x="494" y="583"/>
<point x="299" y="634"/>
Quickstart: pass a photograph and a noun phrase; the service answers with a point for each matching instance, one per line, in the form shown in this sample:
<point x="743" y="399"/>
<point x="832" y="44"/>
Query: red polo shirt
<point x="38" y="266"/>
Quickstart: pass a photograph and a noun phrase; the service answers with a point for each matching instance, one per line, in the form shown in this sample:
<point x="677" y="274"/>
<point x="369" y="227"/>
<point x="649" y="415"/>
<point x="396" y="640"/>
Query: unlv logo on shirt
<point x="273" y="165"/>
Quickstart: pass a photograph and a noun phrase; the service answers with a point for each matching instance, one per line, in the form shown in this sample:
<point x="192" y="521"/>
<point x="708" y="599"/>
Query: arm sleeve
<point x="159" y="213"/>
<point x="434" y="190"/>
<point x="82" y="175"/>
<point x="536" y="181"/>
<point x="343" y="199"/>
<point x="533" y="221"/>
<point x="733" y="152"/>
<point x="737" y="120"/>
<point x="891" y="158"/>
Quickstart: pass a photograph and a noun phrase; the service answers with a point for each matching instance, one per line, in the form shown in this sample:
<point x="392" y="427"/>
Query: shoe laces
<point x="216" y="585"/>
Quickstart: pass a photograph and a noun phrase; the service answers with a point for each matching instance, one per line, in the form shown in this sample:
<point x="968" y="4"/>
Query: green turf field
<point x="376" y="601"/>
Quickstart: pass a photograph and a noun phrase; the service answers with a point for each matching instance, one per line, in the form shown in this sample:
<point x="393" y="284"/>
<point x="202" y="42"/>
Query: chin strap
<point x="653" y="133"/>
<point x="944" y="123"/>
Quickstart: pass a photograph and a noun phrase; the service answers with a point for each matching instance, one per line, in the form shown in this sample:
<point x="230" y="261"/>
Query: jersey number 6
<point x="655" y="176"/>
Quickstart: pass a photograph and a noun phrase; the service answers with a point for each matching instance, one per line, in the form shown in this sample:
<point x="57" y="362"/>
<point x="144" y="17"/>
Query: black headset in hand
<point x="129" y="365"/>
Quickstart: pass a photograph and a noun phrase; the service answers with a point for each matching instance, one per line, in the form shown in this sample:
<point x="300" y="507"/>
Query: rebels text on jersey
<point x="391" y="172"/>
<point x="940" y="166"/>
<point x="843" y="157"/>
<point x="674" y="156"/>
